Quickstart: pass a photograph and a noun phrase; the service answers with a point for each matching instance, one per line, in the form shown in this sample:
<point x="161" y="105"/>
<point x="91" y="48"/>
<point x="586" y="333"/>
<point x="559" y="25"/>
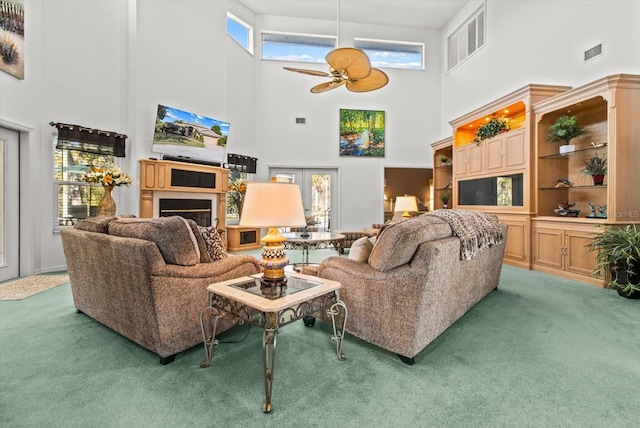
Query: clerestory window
<point x="296" y="47"/>
<point x="393" y="54"/>
<point x="240" y="31"/>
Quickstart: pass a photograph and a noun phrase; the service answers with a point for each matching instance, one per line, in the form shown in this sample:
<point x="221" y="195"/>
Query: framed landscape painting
<point x="361" y="133"/>
<point x="12" y="37"/>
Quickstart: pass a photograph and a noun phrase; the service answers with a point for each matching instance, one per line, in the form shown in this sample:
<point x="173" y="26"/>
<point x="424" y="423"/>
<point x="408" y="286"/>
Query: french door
<point x="9" y="204"/>
<point x="319" y="187"/>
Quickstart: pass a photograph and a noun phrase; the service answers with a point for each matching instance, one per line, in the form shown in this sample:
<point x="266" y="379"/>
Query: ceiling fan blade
<point x="353" y="60"/>
<point x="327" y="86"/>
<point x="305" y="71"/>
<point x="375" y="80"/>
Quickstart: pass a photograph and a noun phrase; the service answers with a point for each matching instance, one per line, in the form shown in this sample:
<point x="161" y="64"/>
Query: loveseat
<point x="146" y="278"/>
<point x="416" y="281"/>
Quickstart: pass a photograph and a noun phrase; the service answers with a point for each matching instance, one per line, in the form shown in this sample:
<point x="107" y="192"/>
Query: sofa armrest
<point x="213" y="270"/>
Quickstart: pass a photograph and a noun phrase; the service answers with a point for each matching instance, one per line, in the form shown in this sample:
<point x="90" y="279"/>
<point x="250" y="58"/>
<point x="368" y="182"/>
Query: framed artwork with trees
<point x="362" y="133"/>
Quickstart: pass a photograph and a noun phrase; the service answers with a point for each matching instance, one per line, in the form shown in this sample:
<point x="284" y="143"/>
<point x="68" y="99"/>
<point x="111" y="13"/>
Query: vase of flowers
<point x="235" y="198"/>
<point x="108" y="177"/>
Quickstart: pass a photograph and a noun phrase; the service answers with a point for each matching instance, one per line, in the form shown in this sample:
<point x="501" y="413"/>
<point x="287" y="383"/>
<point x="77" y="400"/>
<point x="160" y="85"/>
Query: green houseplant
<point x="492" y="128"/>
<point x="445" y="199"/>
<point x="596" y="167"/>
<point x="619" y="251"/>
<point x="565" y="129"/>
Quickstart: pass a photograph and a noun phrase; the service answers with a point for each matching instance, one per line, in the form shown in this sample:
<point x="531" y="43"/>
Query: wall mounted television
<point x="181" y="135"/>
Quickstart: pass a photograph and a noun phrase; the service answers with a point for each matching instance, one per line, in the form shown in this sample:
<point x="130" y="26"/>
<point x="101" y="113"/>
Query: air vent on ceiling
<point x="593" y="52"/>
<point x="301" y="120"/>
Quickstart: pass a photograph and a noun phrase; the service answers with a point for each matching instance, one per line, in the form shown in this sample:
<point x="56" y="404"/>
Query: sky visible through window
<point x="239" y="32"/>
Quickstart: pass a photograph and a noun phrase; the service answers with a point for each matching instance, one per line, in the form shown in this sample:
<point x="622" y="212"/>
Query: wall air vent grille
<point x="466" y="39"/>
<point x="301" y="120"/>
<point x="593" y="52"/>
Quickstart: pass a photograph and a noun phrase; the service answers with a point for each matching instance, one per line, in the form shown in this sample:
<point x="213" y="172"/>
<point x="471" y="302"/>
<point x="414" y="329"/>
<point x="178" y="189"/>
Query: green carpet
<point x="538" y="352"/>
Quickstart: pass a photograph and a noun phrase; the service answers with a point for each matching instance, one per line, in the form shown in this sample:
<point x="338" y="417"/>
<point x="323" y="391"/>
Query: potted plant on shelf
<point x="596" y="167"/>
<point x="445" y="199"/>
<point x="565" y="129"/>
<point x="619" y="251"/>
<point x="444" y="160"/>
<point x="493" y="127"/>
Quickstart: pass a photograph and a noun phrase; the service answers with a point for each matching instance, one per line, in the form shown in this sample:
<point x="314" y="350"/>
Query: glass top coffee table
<point x="245" y="299"/>
<point x="314" y="240"/>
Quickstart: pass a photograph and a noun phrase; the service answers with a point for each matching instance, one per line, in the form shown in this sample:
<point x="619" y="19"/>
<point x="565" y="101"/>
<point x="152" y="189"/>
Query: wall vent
<point x="593" y="52"/>
<point x="466" y="39"/>
<point x="301" y="120"/>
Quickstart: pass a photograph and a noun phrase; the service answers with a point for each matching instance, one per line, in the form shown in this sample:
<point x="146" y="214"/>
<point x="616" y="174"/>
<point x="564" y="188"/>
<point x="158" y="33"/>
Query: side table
<point x="245" y="300"/>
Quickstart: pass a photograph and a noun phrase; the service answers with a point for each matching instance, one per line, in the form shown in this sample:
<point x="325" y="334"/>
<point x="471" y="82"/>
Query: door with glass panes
<point x="9" y="205"/>
<point x="319" y="193"/>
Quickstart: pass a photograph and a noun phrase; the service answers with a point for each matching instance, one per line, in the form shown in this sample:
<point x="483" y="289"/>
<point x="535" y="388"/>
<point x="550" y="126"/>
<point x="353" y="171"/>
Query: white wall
<point x="541" y="42"/>
<point x="410" y="101"/>
<point x="107" y="64"/>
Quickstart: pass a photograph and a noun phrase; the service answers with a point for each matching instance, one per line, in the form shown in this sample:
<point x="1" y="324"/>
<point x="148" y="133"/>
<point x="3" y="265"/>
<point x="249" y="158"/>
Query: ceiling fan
<point x="349" y="67"/>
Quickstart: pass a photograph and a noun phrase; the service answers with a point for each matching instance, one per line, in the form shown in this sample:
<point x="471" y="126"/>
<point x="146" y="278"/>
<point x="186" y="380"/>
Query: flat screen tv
<point x="181" y="135"/>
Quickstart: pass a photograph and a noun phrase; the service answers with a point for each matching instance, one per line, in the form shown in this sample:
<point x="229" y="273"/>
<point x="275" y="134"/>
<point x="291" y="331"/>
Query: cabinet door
<point x="515" y="155"/>
<point x="494" y="153"/>
<point x="548" y="247"/>
<point x="460" y="160"/>
<point x="475" y="159"/>
<point x="578" y="258"/>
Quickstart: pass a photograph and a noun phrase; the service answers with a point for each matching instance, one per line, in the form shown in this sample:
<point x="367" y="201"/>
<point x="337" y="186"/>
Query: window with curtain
<point x="76" y="148"/>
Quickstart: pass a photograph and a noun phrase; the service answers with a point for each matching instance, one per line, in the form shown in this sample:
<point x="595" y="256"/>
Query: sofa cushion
<point x="202" y="247"/>
<point x="99" y="224"/>
<point x="398" y="242"/>
<point x="361" y="249"/>
<point x="213" y="242"/>
<point x="172" y="235"/>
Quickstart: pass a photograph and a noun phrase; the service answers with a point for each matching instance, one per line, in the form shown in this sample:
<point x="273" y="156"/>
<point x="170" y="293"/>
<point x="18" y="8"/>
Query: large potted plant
<point x="565" y="129"/>
<point x="596" y="167"/>
<point x="619" y="251"/>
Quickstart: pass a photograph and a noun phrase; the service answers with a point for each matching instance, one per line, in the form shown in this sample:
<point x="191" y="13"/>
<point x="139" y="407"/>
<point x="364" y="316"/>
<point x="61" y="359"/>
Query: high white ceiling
<point x="430" y="14"/>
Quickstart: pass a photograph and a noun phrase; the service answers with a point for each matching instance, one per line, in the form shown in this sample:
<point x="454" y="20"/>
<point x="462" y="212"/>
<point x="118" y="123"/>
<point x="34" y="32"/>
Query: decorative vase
<point x="598" y="179"/>
<point x="107" y="206"/>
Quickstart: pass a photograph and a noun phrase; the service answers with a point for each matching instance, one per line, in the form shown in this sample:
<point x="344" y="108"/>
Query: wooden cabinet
<point x="242" y="238"/>
<point x="496" y="175"/>
<point x="607" y="109"/>
<point x="517" y="248"/>
<point x="468" y="160"/>
<point x="506" y="151"/>
<point x="562" y="248"/>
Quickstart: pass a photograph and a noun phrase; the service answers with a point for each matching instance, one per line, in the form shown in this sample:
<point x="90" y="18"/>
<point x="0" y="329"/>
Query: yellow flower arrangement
<point x="110" y="176"/>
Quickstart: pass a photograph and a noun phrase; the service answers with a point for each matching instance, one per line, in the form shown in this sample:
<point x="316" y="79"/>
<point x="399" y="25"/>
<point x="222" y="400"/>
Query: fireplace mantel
<point x="180" y="177"/>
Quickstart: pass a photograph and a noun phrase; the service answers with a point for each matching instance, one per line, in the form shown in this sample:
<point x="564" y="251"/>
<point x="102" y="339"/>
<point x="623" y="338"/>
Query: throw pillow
<point x="213" y="242"/>
<point x="172" y="235"/>
<point x="360" y="249"/>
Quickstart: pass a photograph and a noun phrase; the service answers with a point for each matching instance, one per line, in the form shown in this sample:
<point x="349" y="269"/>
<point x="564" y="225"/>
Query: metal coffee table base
<point x="220" y="306"/>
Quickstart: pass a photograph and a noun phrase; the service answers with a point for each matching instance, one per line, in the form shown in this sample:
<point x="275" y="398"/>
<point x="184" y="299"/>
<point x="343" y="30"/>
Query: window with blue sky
<point x="240" y="31"/>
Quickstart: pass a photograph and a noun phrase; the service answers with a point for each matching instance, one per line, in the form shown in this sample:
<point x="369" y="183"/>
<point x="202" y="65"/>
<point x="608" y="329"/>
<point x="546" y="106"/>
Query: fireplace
<point x="198" y="210"/>
<point x="192" y="191"/>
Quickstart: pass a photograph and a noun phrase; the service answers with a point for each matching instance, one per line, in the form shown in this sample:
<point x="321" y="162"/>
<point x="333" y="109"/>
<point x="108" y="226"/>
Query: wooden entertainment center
<point x="538" y="238"/>
<point x="180" y="177"/>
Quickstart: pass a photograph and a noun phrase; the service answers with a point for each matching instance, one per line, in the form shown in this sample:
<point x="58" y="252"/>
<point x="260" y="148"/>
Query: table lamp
<point x="406" y="204"/>
<point x="273" y="205"/>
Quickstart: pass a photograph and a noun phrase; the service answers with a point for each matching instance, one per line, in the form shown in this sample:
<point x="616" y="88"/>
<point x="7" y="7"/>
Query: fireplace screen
<point x="198" y="210"/>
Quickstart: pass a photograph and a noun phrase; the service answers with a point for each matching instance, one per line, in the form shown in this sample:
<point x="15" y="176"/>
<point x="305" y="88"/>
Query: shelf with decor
<point x="605" y="111"/>
<point x="442" y="171"/>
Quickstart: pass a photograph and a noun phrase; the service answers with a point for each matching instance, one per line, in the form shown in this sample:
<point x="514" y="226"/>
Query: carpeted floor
<point x="22" y="288"/>
<point x="539" y="352"/>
